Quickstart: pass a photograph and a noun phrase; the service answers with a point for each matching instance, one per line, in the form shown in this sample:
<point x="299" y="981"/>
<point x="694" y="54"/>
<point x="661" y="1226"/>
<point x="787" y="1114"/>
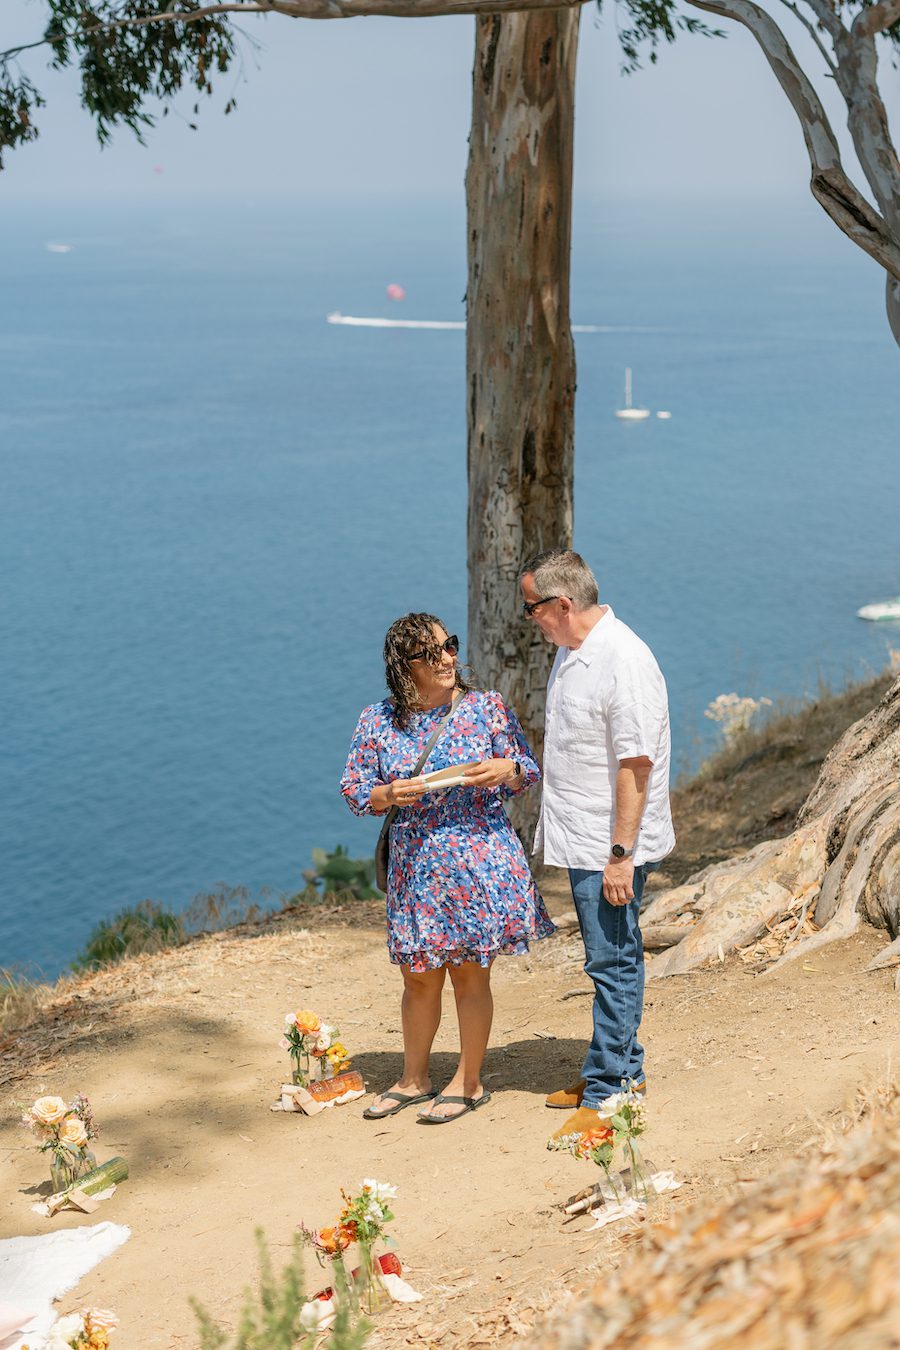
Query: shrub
<point x="340" y="875"/>
<point x="146" y="927"/>
<point x="224" y="907"/>
<point x="270" y="1319"/>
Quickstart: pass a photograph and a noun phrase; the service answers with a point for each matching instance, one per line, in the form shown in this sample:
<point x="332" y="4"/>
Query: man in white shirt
<point x="605" y="812"/>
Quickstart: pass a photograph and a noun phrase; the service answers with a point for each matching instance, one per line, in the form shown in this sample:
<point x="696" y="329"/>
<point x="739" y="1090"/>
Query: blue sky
<point x="381" y="106"/>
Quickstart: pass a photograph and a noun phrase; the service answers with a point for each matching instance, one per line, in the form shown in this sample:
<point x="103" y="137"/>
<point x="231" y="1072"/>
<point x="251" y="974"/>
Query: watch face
<point x="618" y="851"/>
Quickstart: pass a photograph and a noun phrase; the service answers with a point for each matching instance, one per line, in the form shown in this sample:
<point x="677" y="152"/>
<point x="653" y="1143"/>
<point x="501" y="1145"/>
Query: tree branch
<point x="828" y="17"/>
<point x="813" y="32"/>
<point x="876" y="19"/>
<point x="829" y="183"/>
<point x="857" y="79"/>
<point x="313" y="9"/>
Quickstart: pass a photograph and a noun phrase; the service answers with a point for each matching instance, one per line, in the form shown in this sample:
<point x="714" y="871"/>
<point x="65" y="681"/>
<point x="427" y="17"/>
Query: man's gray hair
<point x="561" y="571"/>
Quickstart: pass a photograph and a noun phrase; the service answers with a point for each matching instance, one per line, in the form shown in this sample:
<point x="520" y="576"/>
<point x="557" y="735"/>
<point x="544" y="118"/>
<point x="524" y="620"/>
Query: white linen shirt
<point x="606" y="701"/>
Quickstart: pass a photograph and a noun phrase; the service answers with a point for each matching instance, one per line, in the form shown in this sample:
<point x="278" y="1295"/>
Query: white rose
<point x="380" y="1189"/>
<point x="611" y="1105"/>
<point x="322" y="1042"/>
<point x="64" y="1331"/>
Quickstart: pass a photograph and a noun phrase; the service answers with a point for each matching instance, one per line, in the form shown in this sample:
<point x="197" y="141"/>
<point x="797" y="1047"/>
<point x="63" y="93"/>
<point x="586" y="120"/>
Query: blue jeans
<point x="614" y="962"/>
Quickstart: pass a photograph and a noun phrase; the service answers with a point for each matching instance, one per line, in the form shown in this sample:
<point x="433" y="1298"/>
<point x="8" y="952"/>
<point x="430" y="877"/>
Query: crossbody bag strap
<point x="429" y="746"/>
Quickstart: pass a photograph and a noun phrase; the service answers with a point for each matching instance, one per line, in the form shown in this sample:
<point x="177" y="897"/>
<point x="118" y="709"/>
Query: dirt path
<point x="179" y="1055"/>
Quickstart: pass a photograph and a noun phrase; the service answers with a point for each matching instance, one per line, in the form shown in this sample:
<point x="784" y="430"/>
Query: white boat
<point x="882" y="610"/>
<point x="629" y="413"/>
<point x="58" y="248"/>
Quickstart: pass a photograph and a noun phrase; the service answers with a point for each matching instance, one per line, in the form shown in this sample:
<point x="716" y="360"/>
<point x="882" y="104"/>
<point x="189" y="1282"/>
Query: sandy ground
<point x="179" y="1054"/>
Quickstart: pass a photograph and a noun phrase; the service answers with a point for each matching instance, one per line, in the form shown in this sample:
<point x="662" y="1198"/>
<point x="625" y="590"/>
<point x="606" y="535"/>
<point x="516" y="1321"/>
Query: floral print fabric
<point x="459" y="885"/>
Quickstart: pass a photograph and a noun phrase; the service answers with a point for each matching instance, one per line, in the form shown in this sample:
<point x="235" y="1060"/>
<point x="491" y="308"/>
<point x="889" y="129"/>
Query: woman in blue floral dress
<point x="459" y="888"/>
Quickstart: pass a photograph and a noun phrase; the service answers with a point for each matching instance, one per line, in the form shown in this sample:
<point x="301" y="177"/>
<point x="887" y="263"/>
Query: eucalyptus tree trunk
<point x="520" y="359"/>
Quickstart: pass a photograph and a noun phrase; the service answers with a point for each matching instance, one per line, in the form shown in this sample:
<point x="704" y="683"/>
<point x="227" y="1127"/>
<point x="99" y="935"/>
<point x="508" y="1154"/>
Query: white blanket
<point x="36" y="1270"/>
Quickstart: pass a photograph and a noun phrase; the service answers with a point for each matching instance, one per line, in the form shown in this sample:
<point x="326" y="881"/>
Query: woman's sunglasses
<point x="451" y="646"/>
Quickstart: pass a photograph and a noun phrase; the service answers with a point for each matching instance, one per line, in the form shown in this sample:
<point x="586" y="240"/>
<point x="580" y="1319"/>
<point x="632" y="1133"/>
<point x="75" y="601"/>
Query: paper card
<point x="86" y="1203"/>
<point x="452" y="776"/>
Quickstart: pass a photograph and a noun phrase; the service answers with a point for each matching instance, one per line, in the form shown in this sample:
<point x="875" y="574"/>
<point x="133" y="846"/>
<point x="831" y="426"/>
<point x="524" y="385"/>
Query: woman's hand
<point x="399" y="792"/>
<point x="491" y="773"/>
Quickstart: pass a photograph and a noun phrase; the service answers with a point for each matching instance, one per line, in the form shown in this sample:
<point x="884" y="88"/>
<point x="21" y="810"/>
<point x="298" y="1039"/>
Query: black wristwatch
<point x="517" y="770"/>
<point x="619" y="851"/>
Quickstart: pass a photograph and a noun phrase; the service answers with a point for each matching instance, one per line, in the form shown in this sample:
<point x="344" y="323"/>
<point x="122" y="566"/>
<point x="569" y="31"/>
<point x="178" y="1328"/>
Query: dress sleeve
<point x="508" y="742"/>
<point x="362" y="771"/>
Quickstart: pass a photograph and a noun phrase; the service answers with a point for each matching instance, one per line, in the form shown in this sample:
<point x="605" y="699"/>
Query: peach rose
<point x="72" y="1132"/>
<point x="100" y="1319"/>
<point x="307" y="1023"/>
<point x="49" y="1110"/>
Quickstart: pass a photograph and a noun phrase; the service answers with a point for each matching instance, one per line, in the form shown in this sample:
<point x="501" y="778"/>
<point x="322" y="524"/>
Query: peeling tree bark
<point x="520" y="359"/>
<point x="844" y="855"/>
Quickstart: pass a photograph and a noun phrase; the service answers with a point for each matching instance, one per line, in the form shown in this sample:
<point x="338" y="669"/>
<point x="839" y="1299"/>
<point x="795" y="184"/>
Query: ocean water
<point x="213" y="503"/>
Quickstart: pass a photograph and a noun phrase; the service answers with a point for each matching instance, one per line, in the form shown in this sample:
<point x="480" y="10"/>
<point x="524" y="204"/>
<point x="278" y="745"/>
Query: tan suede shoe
<point x="583" y="1120"/>
<point x="567" y="1099"/>
<point x="570" y="1098"/>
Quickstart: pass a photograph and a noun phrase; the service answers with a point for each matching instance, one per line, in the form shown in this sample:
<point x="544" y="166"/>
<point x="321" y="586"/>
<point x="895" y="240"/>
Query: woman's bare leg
<point x="420" y="1011"/>
<point x="475" y="1010"/>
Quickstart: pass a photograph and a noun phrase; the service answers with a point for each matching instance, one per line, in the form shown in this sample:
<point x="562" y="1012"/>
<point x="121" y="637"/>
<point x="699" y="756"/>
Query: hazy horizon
<point x="382" y="109"/>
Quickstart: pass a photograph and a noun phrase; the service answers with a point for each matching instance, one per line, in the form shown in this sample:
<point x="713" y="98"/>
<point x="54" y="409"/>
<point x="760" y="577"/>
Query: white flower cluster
<point x="734" y="713"/>
<point x="75" y="1328"/>
<point x="565" y="1143"/>
<point x="378" y="1194"/>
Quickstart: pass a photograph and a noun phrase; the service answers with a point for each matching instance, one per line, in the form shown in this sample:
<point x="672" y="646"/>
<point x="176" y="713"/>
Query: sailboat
<point x="630" y="413"/>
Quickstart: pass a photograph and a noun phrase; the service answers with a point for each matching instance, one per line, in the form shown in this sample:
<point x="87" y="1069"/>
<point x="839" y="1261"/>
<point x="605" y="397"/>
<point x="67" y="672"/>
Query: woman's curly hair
<point x="412" y="633"/>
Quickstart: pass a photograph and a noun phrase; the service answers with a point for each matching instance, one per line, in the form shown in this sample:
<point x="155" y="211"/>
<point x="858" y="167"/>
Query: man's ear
<point x="566" y="605"/>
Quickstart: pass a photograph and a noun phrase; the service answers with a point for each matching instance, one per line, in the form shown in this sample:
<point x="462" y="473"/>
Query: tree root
<point x="846" y="848"/>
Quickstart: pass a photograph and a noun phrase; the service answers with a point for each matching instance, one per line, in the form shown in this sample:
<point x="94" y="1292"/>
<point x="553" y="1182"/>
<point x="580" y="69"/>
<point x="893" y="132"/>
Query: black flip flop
<point x="469" y="1103"/>
<point x="402" y="1100"/>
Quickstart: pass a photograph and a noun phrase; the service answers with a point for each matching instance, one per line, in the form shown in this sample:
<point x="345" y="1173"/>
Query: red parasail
<point x="395" y="292"/>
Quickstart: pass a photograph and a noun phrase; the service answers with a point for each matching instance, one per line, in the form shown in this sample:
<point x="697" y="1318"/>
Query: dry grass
<point x="20" y="1000"/>
<point x="753" y="790"/>
<point x="807" y="1259"/>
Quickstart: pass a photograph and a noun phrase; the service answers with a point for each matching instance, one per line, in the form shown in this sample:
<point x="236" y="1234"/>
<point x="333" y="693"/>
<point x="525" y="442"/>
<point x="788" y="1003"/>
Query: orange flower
<point x="307" y="1023"/>
<point x="333" y="1240"/>
<point x="594" y="1139"/>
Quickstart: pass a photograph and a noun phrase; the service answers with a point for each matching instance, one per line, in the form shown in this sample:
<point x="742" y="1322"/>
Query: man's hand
<point x="618" y="881"/>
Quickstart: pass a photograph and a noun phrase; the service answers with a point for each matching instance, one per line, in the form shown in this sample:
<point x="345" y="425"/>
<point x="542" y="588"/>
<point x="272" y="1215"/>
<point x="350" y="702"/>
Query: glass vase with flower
<point x="300" y="1032"/>
<point x="65" y="1130"/>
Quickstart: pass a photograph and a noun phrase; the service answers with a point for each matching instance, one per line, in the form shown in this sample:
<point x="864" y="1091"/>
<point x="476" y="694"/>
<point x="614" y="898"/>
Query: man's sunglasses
<point x="451" y="646"/>
<point x="528" y="610"/>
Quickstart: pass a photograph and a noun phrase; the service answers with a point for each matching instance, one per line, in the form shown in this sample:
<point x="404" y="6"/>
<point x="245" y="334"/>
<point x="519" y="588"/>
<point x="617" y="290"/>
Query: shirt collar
<point x="590" y="647"/>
